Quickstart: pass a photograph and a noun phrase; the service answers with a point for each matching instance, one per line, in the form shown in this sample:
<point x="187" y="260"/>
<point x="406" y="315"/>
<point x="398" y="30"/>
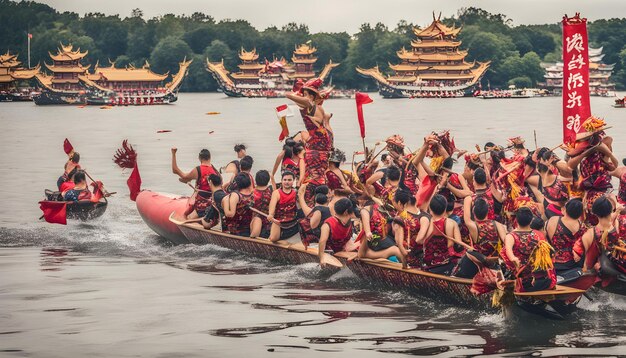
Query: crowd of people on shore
<point x="533" y="212"/>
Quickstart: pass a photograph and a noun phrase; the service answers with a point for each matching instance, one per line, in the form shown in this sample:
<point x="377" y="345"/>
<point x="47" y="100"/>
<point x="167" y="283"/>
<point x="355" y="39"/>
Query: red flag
<point x="67" y="146"/>
<point x="361" y="99"/>
<point x="426" y="190"/>
<point x="576" y="107"/>
<point x="285" y="130"/>
<point x="134" y="183"/>
<point x="97" y="192"/>
<point x="54" y="211"/>
<point x="30" y="36"/>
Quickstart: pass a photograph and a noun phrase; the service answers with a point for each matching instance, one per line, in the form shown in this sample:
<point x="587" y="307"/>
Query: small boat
<point x="155" y="209"/>
<point x="554" y="304"/>
<point x="620" y="103"/>
<point x="83" y="210"/>
<point x="281" y="251"/>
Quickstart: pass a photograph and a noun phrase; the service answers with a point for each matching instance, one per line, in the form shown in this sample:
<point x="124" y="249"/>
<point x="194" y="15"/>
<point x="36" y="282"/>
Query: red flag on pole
<point x="361" y="99"/>
<point x="30" y="36"/>
<point x="576" y="107"/>
<point x="282" y="112"/>
<point x="285" y="130"/>
<point x="67" y="146"/>
<point x="134" y="183"/>
<point x="54" y="211"/>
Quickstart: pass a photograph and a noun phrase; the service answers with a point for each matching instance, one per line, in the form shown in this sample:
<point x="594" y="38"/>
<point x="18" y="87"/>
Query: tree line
<point x="514" y="51"/>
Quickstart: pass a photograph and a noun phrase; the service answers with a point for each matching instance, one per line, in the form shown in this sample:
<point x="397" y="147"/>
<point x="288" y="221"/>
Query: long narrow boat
<point x="155" y="209"/>
<point x="551" y="303"/>
<point x="83" y="210"/>
<point x="282" y="251"/>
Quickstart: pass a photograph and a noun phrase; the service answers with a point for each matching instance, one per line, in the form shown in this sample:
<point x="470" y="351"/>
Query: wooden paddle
<point x="282" y="224"/>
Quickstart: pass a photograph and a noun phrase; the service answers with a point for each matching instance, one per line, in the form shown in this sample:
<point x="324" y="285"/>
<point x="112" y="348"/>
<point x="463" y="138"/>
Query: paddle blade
<point x="67" y="146"/>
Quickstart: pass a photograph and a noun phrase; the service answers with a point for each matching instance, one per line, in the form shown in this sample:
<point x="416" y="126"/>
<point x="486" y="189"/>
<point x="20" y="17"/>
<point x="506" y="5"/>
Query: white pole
<point x="28" y="50"/>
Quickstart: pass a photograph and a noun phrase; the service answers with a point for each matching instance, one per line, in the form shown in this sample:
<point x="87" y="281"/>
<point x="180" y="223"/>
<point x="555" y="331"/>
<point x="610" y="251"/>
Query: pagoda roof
<point x="472" y="77"/>
<point x="446" y="76"/>
<point x="67" y="53"/>
<point x="436" y="28"/>
<point x="412" y="56"/>
<point x="303" y="60"/>
<point x="408" y="67"/>
<point x="248" y="55"/>
<point x="90" y="83"/>
<point x="424" y="67"/>
<point x="373" y="72"/>
<point x="67" y="69"/>
<point x="64" y="80"/>
<point x="6" y="79"/>
<point x="244" y="76"/>
<point x="304" y="49"/>
<point x="251" y="66"/>
<point x="9" y="60"/>
<point x="595" y="51"/>
<point x="402" y="78"/>
<point x="436" y="43"/>
<point x="220" y="71"/>
<point x="127" y="74"/>
<point x="25" y="74"/>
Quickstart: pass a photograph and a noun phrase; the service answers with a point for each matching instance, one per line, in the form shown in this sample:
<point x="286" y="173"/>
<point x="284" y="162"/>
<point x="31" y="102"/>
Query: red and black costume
<point x="339" y="235"/>
<point x="411" y="229"/>
<point x="289" y="164"/>
<point x="318" y="146"/>
<point x="563" y="241"/>
<point x="557" y="192"/>
<point x="240" y="223"/>
<point x="621" y="194"/>
<point x="286" y="209"/>
<point x="380" y="227"/>
<point x="262" y="200"/>
<point x="487" y="243"/>
<point x="596" y="180"/>
<point x="607" y="246"/>
<point x="333" y="181"/>
<point x="528" y="279"/>
<point x="437" y="255"/>
<point x="410" y="175"/>
<point x="203" y="197"/>
<point x="488" y="197"/>
<point x="232" y="186"/>
<point x="308" y="234"/>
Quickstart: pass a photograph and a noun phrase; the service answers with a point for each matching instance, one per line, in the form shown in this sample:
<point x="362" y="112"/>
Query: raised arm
<point x="279" y="160"/>
<point x="185" y="178"/>
<point x="299" y="100"/>
<point x="306" y="209"/>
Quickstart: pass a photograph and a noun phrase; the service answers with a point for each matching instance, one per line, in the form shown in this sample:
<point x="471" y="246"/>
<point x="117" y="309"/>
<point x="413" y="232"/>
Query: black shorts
<point x="381" y="244"/>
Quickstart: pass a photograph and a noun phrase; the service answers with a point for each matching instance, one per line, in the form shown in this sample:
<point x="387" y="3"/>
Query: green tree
<point x="168" y="53"/>
<point x="521" y="82"/>
<point x="218" y="51"/>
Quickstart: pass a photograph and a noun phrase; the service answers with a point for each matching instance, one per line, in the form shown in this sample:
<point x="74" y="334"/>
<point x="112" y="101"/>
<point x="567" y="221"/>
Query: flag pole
<point x="28" y="36"/>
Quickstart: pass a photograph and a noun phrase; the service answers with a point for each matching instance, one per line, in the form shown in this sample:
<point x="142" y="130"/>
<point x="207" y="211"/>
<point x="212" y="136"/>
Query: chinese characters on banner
<point x="576" y="107"/>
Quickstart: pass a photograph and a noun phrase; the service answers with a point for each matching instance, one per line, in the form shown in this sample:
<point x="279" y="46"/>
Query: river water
<point x="111" y="287"/>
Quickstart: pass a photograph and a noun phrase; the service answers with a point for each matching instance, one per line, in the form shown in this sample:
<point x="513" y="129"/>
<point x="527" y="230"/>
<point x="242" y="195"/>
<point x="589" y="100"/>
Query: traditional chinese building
<point x="271" y="79"/>
<point x="71" y="82"/>
<point x="11" y="73"/>
<point x="599" y="75"/>
<point x="434" y="66"/>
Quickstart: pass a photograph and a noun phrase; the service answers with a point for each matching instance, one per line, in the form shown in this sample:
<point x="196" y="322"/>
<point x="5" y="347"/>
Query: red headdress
<point x="313" y="85"/>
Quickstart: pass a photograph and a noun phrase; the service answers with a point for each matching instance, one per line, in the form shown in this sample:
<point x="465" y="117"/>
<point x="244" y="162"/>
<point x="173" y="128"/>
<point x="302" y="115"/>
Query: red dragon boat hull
<point x="155" y="210"/>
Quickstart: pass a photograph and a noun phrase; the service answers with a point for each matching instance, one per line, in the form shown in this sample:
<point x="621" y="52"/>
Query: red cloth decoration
<point x="67" y="146"/>
<point x="54" y="211"/>
<point x="314" y="83"/>
<point x="426" y="190"/>
<point x="97" y="192"/>
<point x="576" y="106"/>
<point x="134" y="183"/>
<point x="297" y="85"/>
<point x="361" y="99"/>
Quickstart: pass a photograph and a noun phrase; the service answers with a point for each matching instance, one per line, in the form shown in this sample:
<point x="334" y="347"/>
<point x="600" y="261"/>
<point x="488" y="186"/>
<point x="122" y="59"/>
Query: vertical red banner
<point x="576" y="107"/>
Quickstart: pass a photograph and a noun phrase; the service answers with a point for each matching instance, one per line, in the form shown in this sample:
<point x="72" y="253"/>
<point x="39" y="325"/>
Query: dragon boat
<point x="155" y="210"/>
<point x="83" y="210"/>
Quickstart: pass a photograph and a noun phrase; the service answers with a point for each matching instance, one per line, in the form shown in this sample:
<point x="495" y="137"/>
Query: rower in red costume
<point x="199" y="174"/>
<point x="482" y="190"/>
<point x="592" y="151"/>
<point x="260" y="226"/>
<point x="237" y="212"/>
<point x="620" y="173"/>
<point x="529" y="255"/>
<point x="320" y="142"/>
<point x="282" y="208"/>
<point x="334" y="176"/>
<point x="553" y="189"/>
<point x="604" y="239"/>
<point x="336" y="230"/>
<point x="563" y="232"/>
<point x="65" y="181"/>
<point x="79" y="191"/>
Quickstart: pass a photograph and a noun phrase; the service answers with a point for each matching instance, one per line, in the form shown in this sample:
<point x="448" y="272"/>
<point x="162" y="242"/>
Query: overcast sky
<point x="348" y="15"/>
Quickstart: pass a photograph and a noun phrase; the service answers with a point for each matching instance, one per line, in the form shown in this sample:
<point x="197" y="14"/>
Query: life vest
<point x="333" y="181"/>
<point x="556" y="192"/>
<point x="340" y="234"/>
<point x="202" y="182"/>
<point x="240" y="223"/>
<point x="436" y="246"/>
<point x="488" y="239"/>
<point x="286" y="209"/>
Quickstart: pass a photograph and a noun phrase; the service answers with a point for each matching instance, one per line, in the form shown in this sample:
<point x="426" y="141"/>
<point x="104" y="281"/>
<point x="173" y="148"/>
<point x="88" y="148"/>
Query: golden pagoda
<point x="435" y="63"/>
<point x="271" y="79"/>
<point x="126" y="79"/>
<point x="66" y="69"/>
<point x="11" y="72"/>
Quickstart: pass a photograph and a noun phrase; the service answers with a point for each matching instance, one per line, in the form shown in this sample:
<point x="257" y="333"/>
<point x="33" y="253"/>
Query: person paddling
<point x="314" y="217"/>
<point x="336" y="230"/>
<point x="71" y="167"/>
<point x="563" y="232"/>
<point x="262" y="197"/>
<point x="237" y="207"/>
<point x="199" y="174"/>
<point x="80" y="191"/>
<point x="282" y="208"/>
<point x="214" y="213"/>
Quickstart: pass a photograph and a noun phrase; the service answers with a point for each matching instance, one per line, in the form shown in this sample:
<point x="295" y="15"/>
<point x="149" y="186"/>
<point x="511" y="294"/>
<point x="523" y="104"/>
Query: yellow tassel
<point x="498" y="247"/>
<point x="541" y="258"/>
<point x="435" y="163"/>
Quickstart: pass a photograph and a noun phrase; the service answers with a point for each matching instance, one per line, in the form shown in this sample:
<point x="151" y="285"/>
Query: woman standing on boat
<point x="320" y="142"/>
